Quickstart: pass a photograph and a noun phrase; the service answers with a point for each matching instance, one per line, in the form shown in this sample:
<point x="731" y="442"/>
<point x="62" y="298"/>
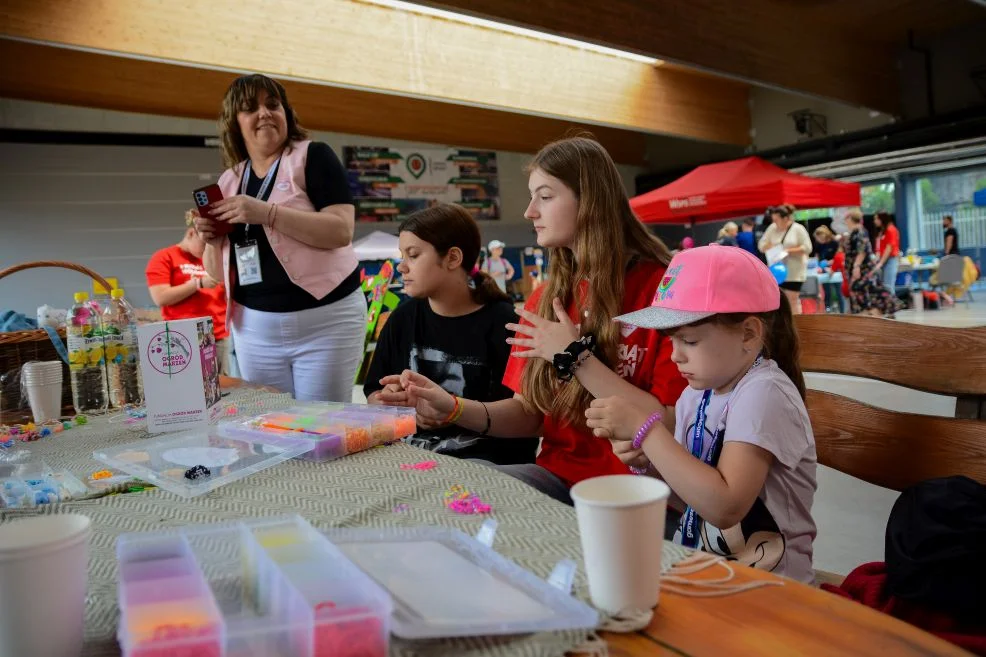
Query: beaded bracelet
<point x="645" y="428"/>
<point x="638" y="438"/>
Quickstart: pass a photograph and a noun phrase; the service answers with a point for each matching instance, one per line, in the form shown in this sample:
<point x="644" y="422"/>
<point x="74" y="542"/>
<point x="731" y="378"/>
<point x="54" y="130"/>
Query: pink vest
<point x="317" y="271"/>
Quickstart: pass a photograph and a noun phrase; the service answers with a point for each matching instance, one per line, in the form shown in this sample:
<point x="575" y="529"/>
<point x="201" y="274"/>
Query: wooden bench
<point x="888" y="448"/>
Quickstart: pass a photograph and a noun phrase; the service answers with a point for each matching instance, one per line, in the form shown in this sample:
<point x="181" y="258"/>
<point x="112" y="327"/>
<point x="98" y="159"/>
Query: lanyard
<point x="689" y="535"/>
<point x="689" y="521"/>
<point x="268" y="179"/>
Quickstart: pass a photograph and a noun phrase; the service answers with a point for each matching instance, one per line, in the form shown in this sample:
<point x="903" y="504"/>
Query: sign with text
<point x="388" y="184"/>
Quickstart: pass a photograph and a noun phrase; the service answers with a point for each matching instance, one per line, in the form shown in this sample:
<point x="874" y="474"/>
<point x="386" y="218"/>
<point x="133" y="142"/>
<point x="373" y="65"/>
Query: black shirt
<point x="466" y="356"/>
<point x="325" y="185"/>
<point x="955" y="240"/>
<point x="826" y="250"/>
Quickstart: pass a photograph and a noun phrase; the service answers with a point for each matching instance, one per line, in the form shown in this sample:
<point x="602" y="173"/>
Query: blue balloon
<point x="779" y="270"/>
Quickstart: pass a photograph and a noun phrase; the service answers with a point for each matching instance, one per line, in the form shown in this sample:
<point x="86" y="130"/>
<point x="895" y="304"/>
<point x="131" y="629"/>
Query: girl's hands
<point x="614" y="418"/>
<point x="432" y="403"/>
<point x="544" y="337"/>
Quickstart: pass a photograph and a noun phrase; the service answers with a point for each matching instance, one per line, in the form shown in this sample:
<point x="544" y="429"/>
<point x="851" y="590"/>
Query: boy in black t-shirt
<point x="951" y="236"/>
<point x="452" y="331"/>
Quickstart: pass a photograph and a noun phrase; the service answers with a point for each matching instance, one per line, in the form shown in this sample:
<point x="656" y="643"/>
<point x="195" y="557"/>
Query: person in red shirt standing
<point x="887" y="248"/>
<point x="567" y="349"/>
<point x="179" y="285"/>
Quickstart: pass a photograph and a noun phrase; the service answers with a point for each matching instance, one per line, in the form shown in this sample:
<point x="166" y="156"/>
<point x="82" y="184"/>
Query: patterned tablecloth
<point x="362" y="490"/>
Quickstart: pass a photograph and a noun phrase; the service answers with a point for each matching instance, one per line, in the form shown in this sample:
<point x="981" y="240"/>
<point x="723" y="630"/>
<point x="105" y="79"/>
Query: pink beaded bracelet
<point x="644" y="429"/>
<point x="638" y="438"/>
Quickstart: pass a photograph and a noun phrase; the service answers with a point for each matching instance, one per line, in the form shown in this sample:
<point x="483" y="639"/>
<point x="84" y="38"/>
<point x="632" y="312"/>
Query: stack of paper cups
<point x="42" y="382"/>
<point x="43" y="578"/>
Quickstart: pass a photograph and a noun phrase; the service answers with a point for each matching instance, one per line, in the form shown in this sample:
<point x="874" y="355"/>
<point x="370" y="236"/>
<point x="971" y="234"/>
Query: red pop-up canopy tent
<point x="738" y="188"/>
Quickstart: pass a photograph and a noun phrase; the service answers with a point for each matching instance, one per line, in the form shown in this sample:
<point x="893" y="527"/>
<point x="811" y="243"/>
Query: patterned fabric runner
<point x="362" y="490"/>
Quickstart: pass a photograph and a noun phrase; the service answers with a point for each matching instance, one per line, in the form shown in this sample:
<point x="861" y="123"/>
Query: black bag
<point x="936" y="544"/>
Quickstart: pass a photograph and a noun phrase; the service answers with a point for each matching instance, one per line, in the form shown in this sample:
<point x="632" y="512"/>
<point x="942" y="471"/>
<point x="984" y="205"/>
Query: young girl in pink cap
<point x="741" y="460"/>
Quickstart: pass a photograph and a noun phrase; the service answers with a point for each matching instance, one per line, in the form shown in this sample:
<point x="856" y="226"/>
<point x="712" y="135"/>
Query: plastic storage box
<point x="446" y="584"/>
<point x="330" y="430"/>
<point x="274" y="587"/>
<point x="166" y="461"/>
<point x="29" y="484"/>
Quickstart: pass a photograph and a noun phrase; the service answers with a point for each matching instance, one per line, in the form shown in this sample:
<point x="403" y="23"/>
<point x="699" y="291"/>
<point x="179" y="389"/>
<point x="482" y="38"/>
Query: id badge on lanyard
<point x="248" y="263"/>
<point x="248" y="253"/>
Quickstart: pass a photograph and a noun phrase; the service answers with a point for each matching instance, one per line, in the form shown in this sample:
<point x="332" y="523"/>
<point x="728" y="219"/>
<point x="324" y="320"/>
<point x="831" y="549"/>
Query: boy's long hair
<point x="449" y="225"/>
<point x="607" y="236"/>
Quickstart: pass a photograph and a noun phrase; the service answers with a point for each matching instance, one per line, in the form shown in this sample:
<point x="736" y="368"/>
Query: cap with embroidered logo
<point x="707" y="281"/>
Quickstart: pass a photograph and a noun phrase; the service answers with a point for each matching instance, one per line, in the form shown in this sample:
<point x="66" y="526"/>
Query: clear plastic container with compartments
<point x="33" y="483"/>
<point x="266" y="587"/>
<point x="333" y="430"/>
<point x="194" y="462"/>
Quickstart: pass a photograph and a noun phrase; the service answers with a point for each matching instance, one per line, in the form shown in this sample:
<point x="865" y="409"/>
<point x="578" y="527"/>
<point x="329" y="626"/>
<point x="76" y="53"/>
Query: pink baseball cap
<point x="707" y="281"/>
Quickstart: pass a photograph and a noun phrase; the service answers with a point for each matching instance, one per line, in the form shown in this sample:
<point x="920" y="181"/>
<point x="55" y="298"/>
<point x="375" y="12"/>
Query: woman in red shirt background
<point x="179" y="285"/>
<point x="887" y="248"/>
<point x="602" y="262"/>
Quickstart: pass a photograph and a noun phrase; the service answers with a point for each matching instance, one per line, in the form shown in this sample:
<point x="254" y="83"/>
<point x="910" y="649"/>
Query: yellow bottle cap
<point x="81" y="297"/>
<point x="117" y="293"/>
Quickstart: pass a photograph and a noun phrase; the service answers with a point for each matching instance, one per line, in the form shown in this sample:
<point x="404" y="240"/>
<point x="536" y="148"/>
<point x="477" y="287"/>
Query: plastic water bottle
<point x="122" y="361"/>
<point x="87" y="357"/>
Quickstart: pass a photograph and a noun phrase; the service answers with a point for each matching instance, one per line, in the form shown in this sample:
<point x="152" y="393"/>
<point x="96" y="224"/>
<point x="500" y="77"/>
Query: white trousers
<point x="312" y="354"/>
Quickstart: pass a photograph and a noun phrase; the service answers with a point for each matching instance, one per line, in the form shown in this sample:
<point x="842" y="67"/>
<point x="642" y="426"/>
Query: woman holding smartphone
<point x="296" y="308"/>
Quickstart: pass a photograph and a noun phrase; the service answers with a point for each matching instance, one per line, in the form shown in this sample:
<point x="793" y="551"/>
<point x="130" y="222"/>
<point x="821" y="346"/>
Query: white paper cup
<point x="38" y="370"/>
<point x="43" y="578"/>
<point x="45" y="401"/>
<point x="42" y="383"/>
<point x="621" y="524"/>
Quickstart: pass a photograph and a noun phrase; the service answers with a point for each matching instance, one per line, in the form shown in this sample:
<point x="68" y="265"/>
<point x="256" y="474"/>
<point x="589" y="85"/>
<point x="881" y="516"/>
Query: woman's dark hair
<point x="242" y="97"/>
<point x="780" y="338"/>
<point x="449" y="226"/>
<point x="885" y="219"/>
<point x="785" y="210"/>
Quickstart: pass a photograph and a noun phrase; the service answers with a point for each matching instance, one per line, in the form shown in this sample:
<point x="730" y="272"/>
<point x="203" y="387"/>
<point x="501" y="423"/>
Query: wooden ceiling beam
<point x="361" y="45"/>
<point x="797" y="45"/>
<point x="59" y="75"/>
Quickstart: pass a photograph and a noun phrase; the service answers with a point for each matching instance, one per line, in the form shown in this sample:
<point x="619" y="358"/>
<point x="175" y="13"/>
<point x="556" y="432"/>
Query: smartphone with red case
<point x="204" y="197"/>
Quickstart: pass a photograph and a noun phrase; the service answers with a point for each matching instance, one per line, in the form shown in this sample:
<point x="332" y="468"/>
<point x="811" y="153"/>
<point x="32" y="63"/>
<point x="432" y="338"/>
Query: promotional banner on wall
<point x="390" y="183"/>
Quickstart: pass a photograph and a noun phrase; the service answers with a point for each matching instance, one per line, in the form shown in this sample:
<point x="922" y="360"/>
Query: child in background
<point x="452" y="331"/>
<point x="497" y="266"/>
<point x="742" y="455"/>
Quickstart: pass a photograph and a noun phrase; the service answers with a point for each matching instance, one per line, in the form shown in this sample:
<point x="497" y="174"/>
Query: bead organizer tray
<point x="194" y="462"/>
<point x="330" y="430"/>
<point x="447" y="584"/>
<point x="271" y="587"/>
<point x="33" y="483"/>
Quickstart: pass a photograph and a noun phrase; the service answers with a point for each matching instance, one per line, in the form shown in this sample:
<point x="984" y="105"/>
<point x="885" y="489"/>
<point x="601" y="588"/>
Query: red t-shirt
<point x="645" y="361"/>
<point x="839" y="265"/>
<point x="891" y="237"/>
<point x="172" y="266"/>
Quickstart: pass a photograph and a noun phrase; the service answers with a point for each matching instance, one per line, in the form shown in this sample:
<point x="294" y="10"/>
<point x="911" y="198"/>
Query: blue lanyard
<point x="689" y="534"/>
<point x="689" y="522"/>
<point x="268" y="179"/>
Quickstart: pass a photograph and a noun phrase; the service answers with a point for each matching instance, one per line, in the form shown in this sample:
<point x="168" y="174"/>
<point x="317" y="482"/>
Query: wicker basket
<point x="19" y="347"/>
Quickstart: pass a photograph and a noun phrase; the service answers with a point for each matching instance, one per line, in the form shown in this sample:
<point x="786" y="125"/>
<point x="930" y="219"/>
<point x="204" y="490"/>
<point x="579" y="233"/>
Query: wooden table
<point x="793" y="619"/>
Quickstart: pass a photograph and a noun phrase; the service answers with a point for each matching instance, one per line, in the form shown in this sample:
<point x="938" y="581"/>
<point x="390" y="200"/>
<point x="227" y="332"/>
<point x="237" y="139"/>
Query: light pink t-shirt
<point x="764" y="409"/>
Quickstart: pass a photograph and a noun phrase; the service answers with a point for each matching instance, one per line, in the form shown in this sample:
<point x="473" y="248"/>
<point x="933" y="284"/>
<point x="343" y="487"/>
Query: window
<point x="937" y="195"/>
<point x="878" y="197"/>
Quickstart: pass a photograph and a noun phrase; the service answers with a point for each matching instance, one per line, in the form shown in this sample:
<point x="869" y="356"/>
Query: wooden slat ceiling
<point x="95" y="80"/>
<point x="839" y="49"/>
<point x="352" y="44"/>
